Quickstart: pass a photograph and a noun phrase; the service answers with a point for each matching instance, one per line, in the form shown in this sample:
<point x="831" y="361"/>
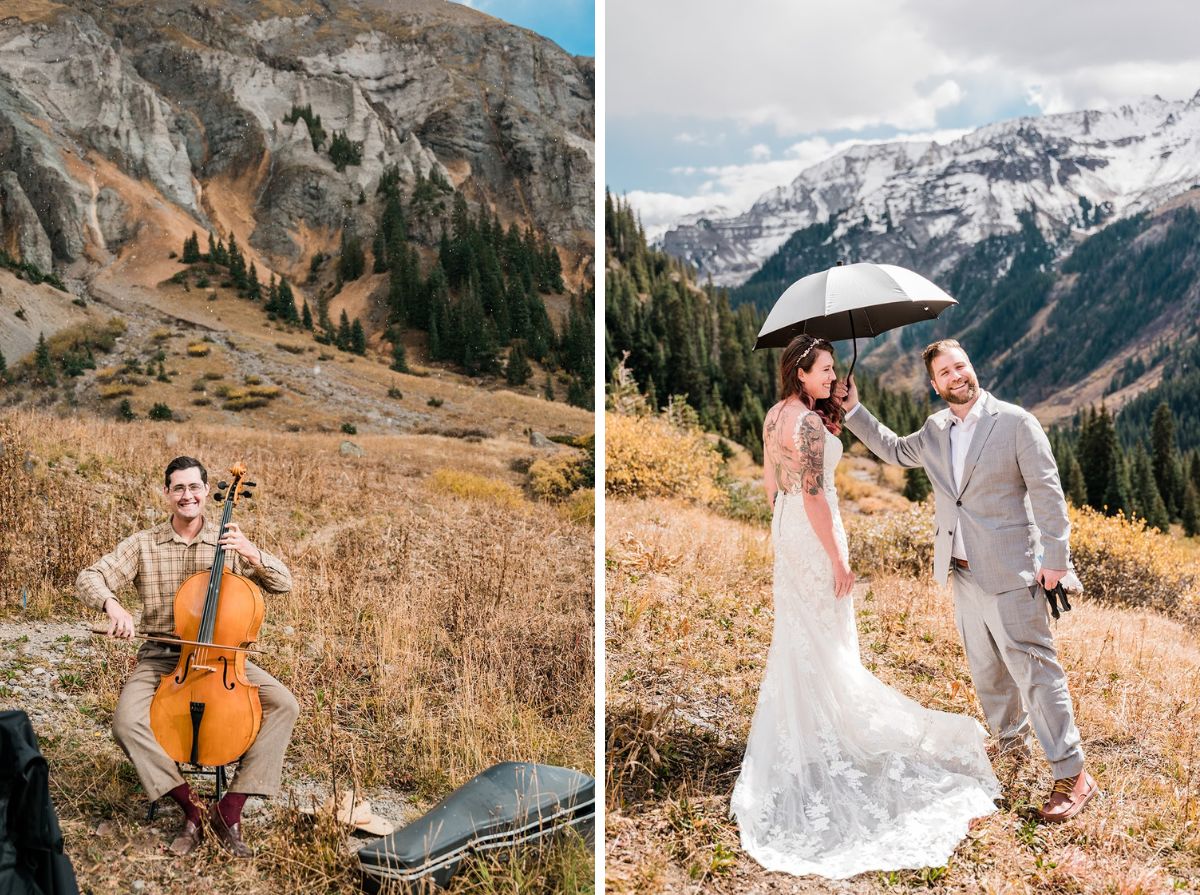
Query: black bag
<point x="508" y="804"/>
<point x="31" y="846"/>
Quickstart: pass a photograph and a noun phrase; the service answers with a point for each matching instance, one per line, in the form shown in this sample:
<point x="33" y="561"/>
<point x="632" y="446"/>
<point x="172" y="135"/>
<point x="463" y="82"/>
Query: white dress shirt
<point x="961" y="433"/>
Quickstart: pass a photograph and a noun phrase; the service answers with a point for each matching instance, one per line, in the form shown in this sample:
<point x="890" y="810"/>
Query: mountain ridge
<point x="932" y="202"/>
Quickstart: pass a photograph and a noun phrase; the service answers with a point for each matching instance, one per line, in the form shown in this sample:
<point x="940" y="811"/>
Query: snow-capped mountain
<point x="924" y="205"/>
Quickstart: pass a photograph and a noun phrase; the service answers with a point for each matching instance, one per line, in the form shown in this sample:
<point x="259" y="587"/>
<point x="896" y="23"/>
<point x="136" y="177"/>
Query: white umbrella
<point x="851" y="301"/>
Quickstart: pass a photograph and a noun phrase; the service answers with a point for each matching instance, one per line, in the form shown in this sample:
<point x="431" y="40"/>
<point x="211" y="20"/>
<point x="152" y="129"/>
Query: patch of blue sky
<point x="569" y="23"/>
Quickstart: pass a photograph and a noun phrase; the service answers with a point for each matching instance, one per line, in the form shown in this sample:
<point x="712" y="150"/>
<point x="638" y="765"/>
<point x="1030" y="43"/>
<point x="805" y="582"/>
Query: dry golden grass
<point x="427" y="636"/>
<point x="688" y="626"/>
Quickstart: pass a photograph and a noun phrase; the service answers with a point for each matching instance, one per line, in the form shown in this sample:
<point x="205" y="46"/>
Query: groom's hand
<point x="1049" y="578"/>
<point x="848" y="392"/>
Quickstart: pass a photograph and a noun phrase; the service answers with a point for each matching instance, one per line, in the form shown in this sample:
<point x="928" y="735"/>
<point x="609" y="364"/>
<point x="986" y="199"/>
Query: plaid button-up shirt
<point x="156" y="561"/>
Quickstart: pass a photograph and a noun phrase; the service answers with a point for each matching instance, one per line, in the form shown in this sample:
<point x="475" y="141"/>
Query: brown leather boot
<point x="188" y="838"/>
<point x="1068" y="797"/>
<point x="230" y="836"/>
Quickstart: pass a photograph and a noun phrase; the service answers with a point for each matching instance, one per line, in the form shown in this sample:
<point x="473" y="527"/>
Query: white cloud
<point x="760" y="152"/>
<point x="807" y="67"/>
<point x="797" y="67"/>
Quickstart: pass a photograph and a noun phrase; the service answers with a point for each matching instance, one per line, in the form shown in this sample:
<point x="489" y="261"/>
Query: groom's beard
<point x="963" y="395"/>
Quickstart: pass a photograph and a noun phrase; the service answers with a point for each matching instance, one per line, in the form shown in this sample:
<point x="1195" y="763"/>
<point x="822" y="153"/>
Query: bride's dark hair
<point x="801" y="354"/>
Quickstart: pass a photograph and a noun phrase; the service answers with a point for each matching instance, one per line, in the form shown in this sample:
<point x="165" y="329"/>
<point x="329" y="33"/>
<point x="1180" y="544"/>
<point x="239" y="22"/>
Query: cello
<point x="206" y="711"/>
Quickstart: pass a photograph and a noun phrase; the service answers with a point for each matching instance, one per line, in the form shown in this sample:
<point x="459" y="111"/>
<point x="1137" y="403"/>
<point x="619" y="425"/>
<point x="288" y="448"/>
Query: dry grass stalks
<point x="431" y="632"/>
<point x="689" y="623"/>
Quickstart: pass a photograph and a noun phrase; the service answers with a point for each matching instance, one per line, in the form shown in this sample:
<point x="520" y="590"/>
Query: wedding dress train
<point x="843" y="774"/>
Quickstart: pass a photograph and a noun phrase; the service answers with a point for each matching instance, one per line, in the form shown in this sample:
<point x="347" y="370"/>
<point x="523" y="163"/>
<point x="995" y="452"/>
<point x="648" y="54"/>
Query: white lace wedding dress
<point x="842" y="773"/>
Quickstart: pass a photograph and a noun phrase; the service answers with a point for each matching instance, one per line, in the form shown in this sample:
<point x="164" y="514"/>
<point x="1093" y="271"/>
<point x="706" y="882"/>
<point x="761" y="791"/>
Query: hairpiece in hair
<point x="811" y="346"/>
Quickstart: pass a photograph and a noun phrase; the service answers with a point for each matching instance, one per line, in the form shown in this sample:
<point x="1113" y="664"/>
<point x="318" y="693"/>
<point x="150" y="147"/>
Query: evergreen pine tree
<point x="358" y="338"/>
<point x="517" y="371"/>
<point x="548" y="391"/>
<point x="399" y="357"/>
<point x="1144" y="497"/>
<point x="379" y="250"/>
<point x="1190" y="512"/>
<point x="1074" y="487"/>
<point x="916" y="484"/>
<point x="1116" y="489"/>
<point x="577" y="393"/>
<point x="342" y="341"/>
<point x="272" y="306"/>
<point x="286" y="302"/>
<point x="43" y="364"/>
<point x="306" y="316"/>
<point x="1165" y="455"/>
<point x="191" y="249"/>
<point x="1100" y="455"/>
<point x="435" y="340"/>
<point x="212" y="248"/>
<point x="237" y="264"/>
<point x="253" y="286"/>
<point x="352" y="262"/>
<point x="477" y="340"/>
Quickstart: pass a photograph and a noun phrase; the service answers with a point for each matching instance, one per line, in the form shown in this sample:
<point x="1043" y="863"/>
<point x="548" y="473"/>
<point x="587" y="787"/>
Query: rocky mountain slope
<point x="125" y="126"/>
<point x="924" y="205"/>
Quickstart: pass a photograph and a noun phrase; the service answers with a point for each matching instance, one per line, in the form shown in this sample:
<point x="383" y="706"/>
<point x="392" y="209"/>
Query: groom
<point x="999" y="505"/>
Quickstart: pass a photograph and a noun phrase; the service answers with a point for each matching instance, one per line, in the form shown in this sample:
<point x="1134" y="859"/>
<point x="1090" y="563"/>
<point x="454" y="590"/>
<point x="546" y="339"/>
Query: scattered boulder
<point x="350" y="449"/>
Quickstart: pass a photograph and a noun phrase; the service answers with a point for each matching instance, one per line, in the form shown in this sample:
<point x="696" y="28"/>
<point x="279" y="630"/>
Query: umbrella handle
<point x="854" y="345"/>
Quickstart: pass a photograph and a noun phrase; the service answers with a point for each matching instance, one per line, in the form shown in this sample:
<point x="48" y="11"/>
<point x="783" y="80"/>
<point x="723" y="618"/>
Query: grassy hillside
<point x="688" y="592"/>
<point x="440" y="621"/>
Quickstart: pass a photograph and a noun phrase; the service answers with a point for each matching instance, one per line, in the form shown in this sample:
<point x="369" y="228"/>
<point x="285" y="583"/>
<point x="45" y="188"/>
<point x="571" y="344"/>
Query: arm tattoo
<point x="809" y="438"/>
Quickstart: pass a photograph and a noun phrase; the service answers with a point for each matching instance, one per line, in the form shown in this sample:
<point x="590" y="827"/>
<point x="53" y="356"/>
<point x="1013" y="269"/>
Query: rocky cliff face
<point x="926" y="205"/>
<point x="189" y="100"/>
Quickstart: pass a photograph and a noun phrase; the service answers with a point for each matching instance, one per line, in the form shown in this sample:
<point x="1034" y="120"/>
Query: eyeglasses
<point x="194" y="490"/>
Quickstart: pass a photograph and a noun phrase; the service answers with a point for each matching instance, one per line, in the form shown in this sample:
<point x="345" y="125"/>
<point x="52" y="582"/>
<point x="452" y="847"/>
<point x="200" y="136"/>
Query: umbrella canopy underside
<point x="857" y="323"/>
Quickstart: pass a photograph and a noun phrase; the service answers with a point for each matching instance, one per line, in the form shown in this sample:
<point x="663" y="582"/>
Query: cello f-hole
<point x="187" y="667"/>
<point x="225" y="682"/>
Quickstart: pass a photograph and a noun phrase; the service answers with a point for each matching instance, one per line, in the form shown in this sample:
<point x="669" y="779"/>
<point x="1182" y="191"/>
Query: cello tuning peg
<point x="250" y="484"/>
<point x="219" y="496"/>
<point x="222" y="485"/>
<point x="247" y="494"/>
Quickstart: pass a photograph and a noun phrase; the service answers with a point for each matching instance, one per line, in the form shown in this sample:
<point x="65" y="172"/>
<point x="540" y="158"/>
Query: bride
<point x="842" y="774"/>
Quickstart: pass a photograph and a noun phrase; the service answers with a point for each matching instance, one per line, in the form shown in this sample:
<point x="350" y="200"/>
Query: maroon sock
<point x="183" y="795"/>
<point x="230" y="807"/>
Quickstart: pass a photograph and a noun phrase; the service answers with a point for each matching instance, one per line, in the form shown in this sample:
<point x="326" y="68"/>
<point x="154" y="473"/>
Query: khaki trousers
<point x="1015" y="669"/>
<point x="259" y="770"/>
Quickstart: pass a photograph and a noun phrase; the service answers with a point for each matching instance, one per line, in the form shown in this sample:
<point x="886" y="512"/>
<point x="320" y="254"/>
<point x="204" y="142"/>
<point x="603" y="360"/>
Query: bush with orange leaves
<point x="649" y="456"/>
<point x="1119" y="560"/>
<point x="1124" y="561"/>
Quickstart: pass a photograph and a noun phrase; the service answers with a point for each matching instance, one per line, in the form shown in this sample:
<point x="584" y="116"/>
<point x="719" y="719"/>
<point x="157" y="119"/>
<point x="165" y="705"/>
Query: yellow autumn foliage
<point x="1120" y="561"/>
<point x="647" y="456"/>
<point x="1123" y="561"/>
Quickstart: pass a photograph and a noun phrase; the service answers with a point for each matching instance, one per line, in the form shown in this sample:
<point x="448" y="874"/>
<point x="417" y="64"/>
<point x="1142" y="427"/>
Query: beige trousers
<point x="259" y="770"/>
<point x="1015" y="668"/>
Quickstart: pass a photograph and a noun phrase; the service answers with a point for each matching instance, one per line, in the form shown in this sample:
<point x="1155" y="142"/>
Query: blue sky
<point x="569" y="23"/>
<point x="710" y="104"/>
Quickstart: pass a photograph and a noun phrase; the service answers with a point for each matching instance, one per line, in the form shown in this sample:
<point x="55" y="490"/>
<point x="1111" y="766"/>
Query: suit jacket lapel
<point x="987" y="421"/>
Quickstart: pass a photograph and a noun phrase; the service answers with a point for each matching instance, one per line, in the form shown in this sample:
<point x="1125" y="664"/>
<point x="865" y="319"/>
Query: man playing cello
<point x="156" y="561"/>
